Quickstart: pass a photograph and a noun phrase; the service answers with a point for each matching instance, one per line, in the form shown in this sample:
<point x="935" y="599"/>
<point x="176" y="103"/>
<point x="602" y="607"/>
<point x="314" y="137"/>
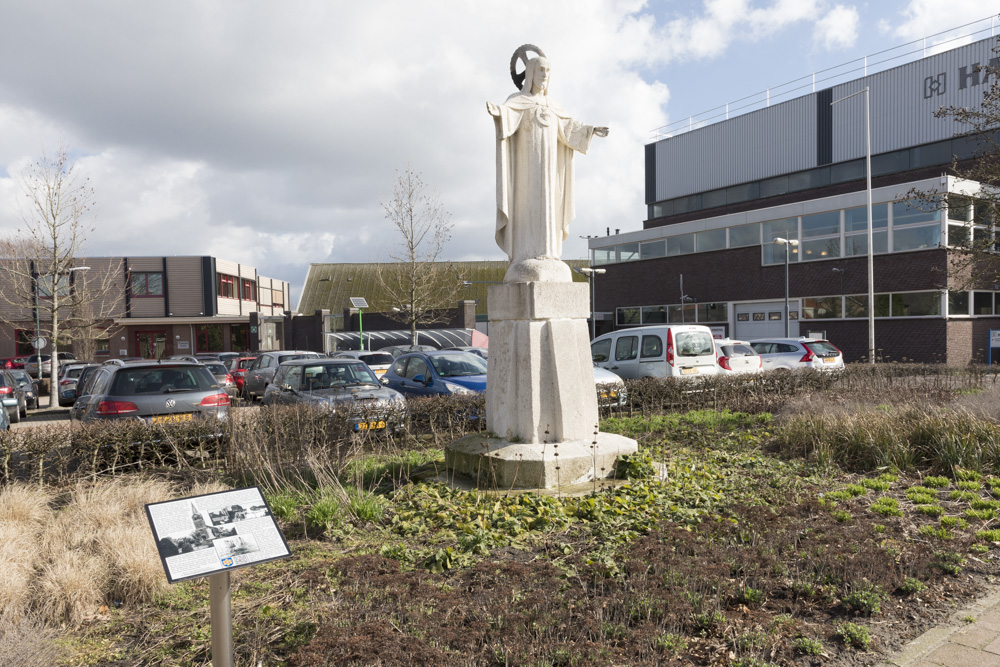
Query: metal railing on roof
<point x="875" y="62"/>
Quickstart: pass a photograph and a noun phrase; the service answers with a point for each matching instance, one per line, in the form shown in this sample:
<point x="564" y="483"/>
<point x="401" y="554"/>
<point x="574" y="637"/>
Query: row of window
<point x="894" y="304"/>
<point x="828" y="235"/>
<point x="228" y="287"/>
<point x="941" y="152"/>
<point x="210" y="337"/>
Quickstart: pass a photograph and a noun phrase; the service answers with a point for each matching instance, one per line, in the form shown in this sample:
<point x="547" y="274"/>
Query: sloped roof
<point x="331" y="286"/>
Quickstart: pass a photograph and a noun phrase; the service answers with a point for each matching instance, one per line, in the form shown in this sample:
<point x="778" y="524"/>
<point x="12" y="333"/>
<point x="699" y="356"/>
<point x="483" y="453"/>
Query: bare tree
<point x="974" y="262"/>
<point x="48" y="285"/>
<point x="420" y="288"/>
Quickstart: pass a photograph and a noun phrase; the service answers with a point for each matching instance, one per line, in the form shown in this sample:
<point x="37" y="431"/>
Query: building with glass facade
<point x="727" y="201"/>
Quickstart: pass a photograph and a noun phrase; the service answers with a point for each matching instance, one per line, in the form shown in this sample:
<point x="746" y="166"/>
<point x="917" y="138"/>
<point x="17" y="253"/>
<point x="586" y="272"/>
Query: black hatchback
<point x="154" y="391"/>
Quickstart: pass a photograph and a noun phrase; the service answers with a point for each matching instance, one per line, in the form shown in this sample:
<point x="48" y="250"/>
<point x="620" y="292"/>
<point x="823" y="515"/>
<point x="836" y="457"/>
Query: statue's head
<point x="536" y="76"/>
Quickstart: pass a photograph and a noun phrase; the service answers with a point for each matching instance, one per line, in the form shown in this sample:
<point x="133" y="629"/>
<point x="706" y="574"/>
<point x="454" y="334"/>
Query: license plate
<point x="370" y="426"/>
<point x="609" y="394"/>
<point x="380" y="372"/>
<point x="170" y="419"/>
<point x="689" y="371"/>
<point x="829" y="360"/>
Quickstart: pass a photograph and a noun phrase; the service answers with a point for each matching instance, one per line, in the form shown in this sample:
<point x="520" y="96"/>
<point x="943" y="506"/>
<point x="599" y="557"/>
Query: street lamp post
<point x="589" y="272"/>
<point x="786" y="243"/>
<point x="868" y="188"/>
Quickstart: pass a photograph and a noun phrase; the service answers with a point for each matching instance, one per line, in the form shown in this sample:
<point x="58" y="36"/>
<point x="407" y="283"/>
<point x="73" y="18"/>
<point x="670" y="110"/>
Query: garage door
<point x="764" y="320"/>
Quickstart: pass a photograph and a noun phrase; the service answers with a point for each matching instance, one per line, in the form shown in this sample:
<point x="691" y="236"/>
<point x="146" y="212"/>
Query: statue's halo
<point x="522" y="55"/>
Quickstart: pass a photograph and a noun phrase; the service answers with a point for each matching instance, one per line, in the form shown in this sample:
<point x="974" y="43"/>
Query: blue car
<point x="436" y="373"/>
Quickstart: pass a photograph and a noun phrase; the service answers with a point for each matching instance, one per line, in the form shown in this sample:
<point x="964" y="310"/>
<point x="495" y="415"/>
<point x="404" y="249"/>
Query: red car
<point x="13" y="362"/>
<point x="238" y="369"/>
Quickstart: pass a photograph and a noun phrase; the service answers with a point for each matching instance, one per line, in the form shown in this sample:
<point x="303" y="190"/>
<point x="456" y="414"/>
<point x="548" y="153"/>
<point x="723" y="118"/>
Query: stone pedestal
<point x="540" y="379"/>
<point x="541" y="401"/>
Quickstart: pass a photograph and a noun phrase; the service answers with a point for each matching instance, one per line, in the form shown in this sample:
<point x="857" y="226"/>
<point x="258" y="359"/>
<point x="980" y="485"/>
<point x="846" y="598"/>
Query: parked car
<point x="397" y="350"/>
<point x="13" y="362"/>
<point x="28" y="386"/>
<point x="69" y="374"/>
<point x="737" y="357"/>
<point x="378" y="361"/>
<point x="483" y="352"/>
<point x="13" y="398"/>
<point x="795" y="353"/>
<point x="238" y="367"/>
<point x="4" y="421"/>
<point x="222" y="376"/>
<point x="260" y="374"/>
<point x="611" y="388"/>
<point x="154" y="391"/>
<point x="81" y="382"/>
<point x="437" y="372"/>
<point x="216" y="356"/>
<point x="184" y="357"/>
<point x="338" y="384"/>
<point x="31" y="364"/>
<point x="669" y="350"/>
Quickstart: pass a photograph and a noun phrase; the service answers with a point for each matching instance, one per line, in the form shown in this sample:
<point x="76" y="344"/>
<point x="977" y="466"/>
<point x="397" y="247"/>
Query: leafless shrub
<point x="28" y="643"/>
<point x="70" y="587"/>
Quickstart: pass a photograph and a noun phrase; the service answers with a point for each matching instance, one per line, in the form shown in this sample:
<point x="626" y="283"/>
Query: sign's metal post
<point x="220" y="605"/>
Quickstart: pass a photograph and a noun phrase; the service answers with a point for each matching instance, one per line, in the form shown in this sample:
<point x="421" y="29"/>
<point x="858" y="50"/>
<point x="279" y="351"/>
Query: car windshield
<point x="694" y="343"/>
<point x="458" y="364"/>
<point x="292" y="357"/>
<point x="216" y="368"/>
<point x="334" y="376"/>
<point x="21" y="377"/>
<point x="162" y="380"/>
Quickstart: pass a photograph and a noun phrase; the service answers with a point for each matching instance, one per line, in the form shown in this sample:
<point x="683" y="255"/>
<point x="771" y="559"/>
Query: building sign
<point x="183" y="345"/>
<point x="204" y="535"/>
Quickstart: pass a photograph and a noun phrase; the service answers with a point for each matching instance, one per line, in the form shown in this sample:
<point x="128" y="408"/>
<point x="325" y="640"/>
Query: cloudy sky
<point x="270" y="133"/>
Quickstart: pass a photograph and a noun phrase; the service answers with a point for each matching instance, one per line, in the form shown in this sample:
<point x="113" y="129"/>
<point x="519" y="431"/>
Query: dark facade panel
<point x="650" y="173"/>
<point x="824" y="127"/>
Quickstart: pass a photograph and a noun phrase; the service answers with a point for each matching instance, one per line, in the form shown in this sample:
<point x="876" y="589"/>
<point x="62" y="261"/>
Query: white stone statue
<point x="535" y="144"/>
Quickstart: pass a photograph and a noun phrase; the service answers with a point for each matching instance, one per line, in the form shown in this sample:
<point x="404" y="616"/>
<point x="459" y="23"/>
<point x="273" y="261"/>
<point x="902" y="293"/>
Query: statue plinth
<point x="541" y="400"/>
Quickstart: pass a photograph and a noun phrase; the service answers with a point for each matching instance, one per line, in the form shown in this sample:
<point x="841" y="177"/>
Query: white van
<point x="667" y="350"/>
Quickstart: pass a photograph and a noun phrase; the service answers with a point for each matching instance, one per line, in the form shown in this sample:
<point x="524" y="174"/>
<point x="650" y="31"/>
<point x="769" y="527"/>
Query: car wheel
<point x="16" y="417"/>
<point x="24" y="412"/>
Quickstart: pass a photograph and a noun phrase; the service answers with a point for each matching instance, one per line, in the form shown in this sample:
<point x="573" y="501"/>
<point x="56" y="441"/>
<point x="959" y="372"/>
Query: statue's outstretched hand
<point x="601" y="131"/>
<point x="493" y="109"/>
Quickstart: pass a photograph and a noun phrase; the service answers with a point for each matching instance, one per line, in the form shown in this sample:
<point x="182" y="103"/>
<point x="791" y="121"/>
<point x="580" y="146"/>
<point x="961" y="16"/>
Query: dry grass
<point x="97" y="548"/>
<point x="26" y="643"/>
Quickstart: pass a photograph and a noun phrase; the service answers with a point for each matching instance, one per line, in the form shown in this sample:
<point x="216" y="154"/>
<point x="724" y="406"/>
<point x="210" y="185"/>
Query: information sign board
<point x="204" y="535"/>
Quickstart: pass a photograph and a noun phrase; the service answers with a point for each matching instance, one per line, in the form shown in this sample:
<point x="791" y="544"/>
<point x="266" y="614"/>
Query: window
<point x="652" y="346"/>
<point x="652" y="249"/>
<point x="744" y="235"/>
<point x="857" y="244"/>
<point x="916" y="238"/>
<point x="960" y="209"/>
<point x="103" y="348"/>
<point x="600" y="350"/>
<point x="681" y="314"/>
<point x="774" y="253"/>
<point x="626" y="348"/>
<point x="45" y="286"/>
<point x="856" y="305"/>
<point x="239" y="337"/>
<point x="227" y="286"/>
<point x="680" y="245"/>
<point x="604" y="256"/>
<point x="856" y="219"/>
<point x="208" y="337"/>
<point x="713" y="312"/>
<point x="628" y="252"/>
<point x="627" y="316"/>
<point x="417" y="366"/>
<point x="654" y="315"/>
<point x="915" y="304"/>
<point x="821" y="308"/>
<point x="958" y="303"/>
<point x="249" y="292"/>
<point x="821" y="224"/>
<point x="278" y="298"/>
<point x="146" y="284"/>
<point x="820" y="249"/>
<point x="22" y="341"/>
<point x="906" y="213"/>
<point x="982" y="303"/>
<point x="714" y="239"/>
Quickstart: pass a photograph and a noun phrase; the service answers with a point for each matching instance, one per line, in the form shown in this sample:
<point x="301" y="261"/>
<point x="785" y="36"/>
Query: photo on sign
<point x="192" y="540"/>
<point x="238" y="513"/>
<point x="236" y="545"/>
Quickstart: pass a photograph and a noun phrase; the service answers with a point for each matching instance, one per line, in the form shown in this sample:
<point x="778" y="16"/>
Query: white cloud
<point x="926" y="18"/>
<point x="838" y="29"/>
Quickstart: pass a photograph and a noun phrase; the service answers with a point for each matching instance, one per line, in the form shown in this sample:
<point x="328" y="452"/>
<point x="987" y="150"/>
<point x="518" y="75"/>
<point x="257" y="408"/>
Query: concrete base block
<point x="493" y="463"/>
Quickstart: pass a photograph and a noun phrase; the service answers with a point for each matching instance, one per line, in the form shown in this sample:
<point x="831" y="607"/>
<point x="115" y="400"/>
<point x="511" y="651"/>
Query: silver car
<point x="154" y="391"/>
<point x="338" y="385"/>
<point x="794" y="353"/>
<point x="262" y="372"/>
